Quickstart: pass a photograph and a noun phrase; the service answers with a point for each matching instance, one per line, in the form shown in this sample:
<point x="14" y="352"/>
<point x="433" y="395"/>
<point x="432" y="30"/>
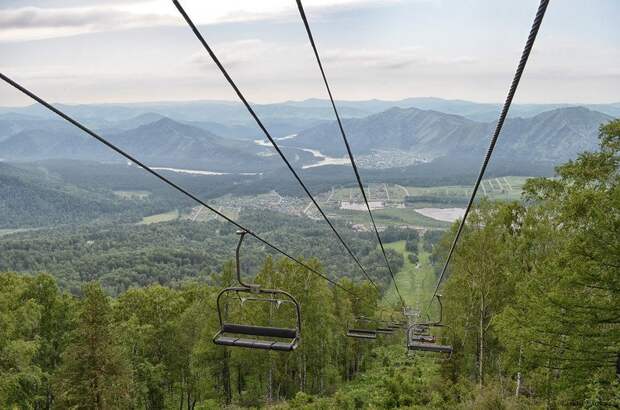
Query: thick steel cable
<point x="529" y="44"/>
<point x="164" y="179"/>
<point x="268" y="135"/>
<point x="346" y="143"/>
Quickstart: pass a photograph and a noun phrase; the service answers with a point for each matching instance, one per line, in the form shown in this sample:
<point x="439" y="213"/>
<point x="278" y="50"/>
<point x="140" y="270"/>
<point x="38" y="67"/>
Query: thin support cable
<point x="346" y="143"/>
<point x="542" y="8"/>
<point x="268" y="135"/>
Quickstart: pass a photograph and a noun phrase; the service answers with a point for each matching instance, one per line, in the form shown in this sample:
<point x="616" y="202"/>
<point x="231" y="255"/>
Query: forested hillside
<point x="555" y="135"/>
<point x="124" y="256"/>
<point x="33" y="197"/>
<point x="532" y="303"/>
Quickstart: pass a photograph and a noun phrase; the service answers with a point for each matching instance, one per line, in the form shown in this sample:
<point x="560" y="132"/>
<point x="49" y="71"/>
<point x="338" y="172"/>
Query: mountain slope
<point x="161" y="143"/>
<point x="32" y="198"/>
<point x="295" y="113"/>
<point x="554" y="135"/>
<point x="63" y="141"/>
<point x="167" y="142"/>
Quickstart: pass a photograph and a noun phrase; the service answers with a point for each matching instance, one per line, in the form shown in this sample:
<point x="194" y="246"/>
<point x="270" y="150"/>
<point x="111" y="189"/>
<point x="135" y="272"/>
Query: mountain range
<point x="219" y="146"/>
<point x="163" y="142"/>
<point x="554" y="135"/>
<point x="289" y="114"/>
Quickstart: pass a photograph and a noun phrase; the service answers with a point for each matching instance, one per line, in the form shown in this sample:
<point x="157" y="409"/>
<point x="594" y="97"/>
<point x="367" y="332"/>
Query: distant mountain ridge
<point x="296" y="114"/>
<point x="416" y="134"/>
<point x="554" y="135"/>
<point x="163" y="142"/>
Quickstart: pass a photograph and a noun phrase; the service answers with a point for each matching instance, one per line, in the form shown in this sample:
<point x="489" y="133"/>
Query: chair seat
<point x="422" y="338"/>
<point x="266" y="331"/>
<point x="362" y="334"/>
<point x="255" y="343"/>
<point x="429" y="347"/>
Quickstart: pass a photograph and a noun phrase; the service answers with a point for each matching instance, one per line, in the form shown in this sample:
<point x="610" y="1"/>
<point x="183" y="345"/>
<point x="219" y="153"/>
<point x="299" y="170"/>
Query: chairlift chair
<point x="396" y="324"/>
<point x="425" y="343"/>
<point x="420" y="339"/>
<point x="284" y="339"/>
<point x="429" y="347"/>
<point x="384" y="329"/>
<point x="360" y="332"/>
<point x="420" y="329"/>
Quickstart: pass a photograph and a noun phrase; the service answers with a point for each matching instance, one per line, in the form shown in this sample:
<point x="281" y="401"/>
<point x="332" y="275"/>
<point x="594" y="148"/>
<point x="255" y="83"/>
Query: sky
<point x="104" y="51"/>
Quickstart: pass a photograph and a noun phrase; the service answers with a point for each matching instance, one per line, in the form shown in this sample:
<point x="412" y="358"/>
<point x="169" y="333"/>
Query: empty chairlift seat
<point x="429" y="347"/>
<point x="260" y="337"/>
<point x="419" y="336"/>
<point x="422" y="338"/>
<point x="420" y="330"/>
<point x="362" y="328"/>
<point x="235" y="334"/>
<point x="362" y="334"/>
<point x="384" y="330"/>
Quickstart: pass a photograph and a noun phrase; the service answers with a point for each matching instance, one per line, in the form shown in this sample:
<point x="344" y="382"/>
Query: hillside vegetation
<point x="532" y="302"/>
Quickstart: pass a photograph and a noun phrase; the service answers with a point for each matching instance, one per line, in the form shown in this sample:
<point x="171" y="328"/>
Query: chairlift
<point x="396" y="324"/>
<point x="362" y="329"/>
<point x="368" y="329"/>
<point x="420" y="339"/>
<point x="366" y="334"/>
<point x="410" y="312"/>
<point x="384" y="329"/>
<point x="233" y="334"/>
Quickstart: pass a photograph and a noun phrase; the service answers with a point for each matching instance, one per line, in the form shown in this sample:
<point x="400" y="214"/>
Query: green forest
<point x="117" y="318"/>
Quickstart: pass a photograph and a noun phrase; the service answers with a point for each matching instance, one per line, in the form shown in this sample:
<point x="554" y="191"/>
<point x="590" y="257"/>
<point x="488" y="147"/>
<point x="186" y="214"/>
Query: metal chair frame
<point x="292" y="335"/>
<point x="420" y="339"/>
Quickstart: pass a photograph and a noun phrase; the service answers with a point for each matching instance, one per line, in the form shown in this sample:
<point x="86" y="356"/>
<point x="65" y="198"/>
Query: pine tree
<point x="95" y="372"/>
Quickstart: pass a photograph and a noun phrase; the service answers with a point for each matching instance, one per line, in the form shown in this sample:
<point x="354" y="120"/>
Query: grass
<point x="415" y="283"/>
<point x="4" y="232"/>
<point x="203" y="215"/>
<point x="392" y="216"/>
<point x="164" y="217"/>
<point x="132" y="194"/>
<point x="504" y="188"/>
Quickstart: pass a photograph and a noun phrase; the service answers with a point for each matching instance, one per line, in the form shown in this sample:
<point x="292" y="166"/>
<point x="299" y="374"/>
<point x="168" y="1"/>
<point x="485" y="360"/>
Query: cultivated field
<point x="389" y="204"/>
<point x="163" y="217"/>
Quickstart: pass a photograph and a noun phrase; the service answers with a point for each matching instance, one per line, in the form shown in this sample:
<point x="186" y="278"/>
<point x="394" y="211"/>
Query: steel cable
<point x="542" y="8"/>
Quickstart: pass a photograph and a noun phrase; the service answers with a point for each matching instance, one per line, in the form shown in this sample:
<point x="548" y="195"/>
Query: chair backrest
<point x="254" y="291"/>
<point x="275" y="297"/>
<point x="284" y="333"/>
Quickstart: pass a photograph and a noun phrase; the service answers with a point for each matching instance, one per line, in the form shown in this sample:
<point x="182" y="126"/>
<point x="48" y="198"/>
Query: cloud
<point x="392" y="59"/>
<point x="32" y="23"/>
<point x="236" y="53"/>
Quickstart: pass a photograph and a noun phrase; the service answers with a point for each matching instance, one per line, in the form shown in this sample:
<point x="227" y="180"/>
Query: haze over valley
<point x="215" y="148"/>
<point x="219" y="137"/>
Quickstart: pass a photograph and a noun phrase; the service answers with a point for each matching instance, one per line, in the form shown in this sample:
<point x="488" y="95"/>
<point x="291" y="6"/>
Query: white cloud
<point x="33" y="23"/>
<point x="236" y="53"/>
<point x="392" y="59"/>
